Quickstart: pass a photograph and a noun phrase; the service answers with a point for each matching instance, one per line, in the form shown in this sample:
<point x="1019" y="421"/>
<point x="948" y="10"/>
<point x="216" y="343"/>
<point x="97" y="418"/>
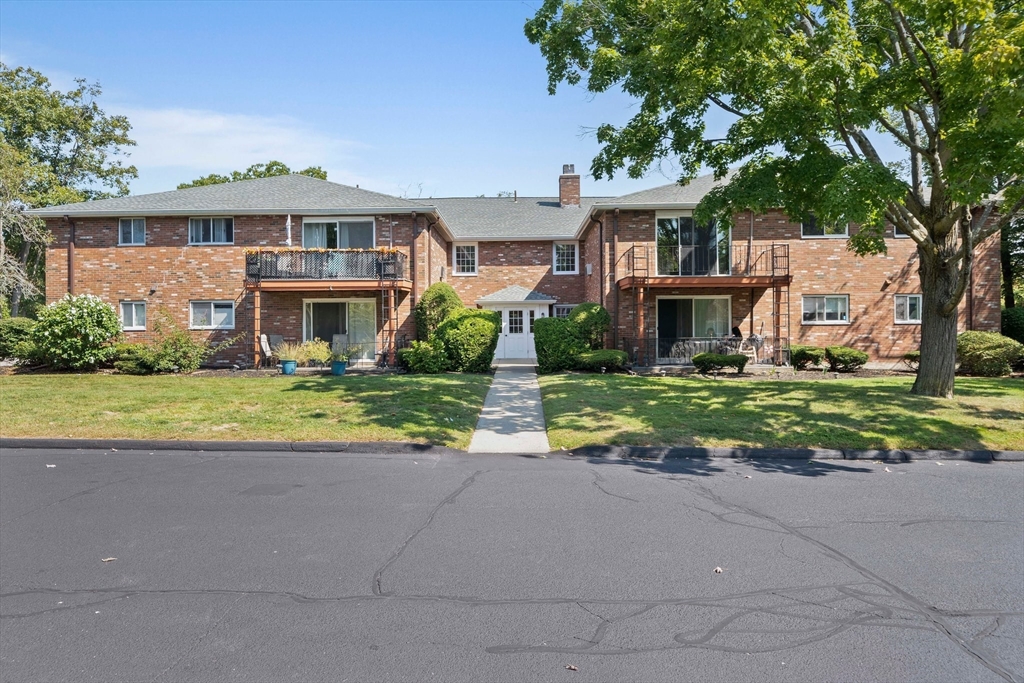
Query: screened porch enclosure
<point x="344" y="325"/>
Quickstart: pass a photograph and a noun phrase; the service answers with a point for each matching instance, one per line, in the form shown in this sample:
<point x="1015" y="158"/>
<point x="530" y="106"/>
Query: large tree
<point x="810" y="90"/>
<point x="55" y="147"/>
<point x="267" y="170"/>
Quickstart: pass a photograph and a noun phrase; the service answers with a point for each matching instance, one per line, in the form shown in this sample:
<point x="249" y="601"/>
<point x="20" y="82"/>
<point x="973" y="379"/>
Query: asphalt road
<point x="278" y="567"/>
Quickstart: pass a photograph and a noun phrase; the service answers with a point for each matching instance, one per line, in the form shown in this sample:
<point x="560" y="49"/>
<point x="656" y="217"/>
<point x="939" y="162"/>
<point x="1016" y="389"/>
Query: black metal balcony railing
<point x="681" y="350"/>
<point x="327" y="264"/>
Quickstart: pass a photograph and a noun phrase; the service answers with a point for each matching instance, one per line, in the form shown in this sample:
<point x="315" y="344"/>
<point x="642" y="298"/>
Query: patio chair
<point x="268" y="354"/>
<point x="275" y="340"/>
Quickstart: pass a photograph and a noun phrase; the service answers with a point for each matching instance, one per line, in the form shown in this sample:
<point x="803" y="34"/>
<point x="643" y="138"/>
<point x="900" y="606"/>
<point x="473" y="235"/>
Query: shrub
<point x="712" y="362"/>
<point x="426" y="357"/>
<point x="804" y="356"/>
<point x="1013" y="324"/>
<point x="607" y="359"/>
<point x="289" y="351"/>
<point x="316" y="352"/>
<point x="592" y="322"/>
<point x="988" y="354"/>
<point x="439" y="301"/>
<point x="844" y="359"/>
<point x="26" y="353"/>
<point x="134" y="358"/>
<point x="912" y="359"/>
<point x="469" y="337"/>
<point x="558" y="344"/>
<point x="12" y="331"/>
<point x="75" y="332"/>
<point x="5" y="308"/>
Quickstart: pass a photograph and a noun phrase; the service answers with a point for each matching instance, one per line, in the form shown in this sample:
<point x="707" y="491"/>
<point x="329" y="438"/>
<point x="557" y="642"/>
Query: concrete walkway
<point x="512" y="420"/>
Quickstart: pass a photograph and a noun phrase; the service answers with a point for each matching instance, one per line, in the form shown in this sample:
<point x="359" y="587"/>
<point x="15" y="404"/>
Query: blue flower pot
<point x="338" y="367"/>
<point x="288" y="367"/>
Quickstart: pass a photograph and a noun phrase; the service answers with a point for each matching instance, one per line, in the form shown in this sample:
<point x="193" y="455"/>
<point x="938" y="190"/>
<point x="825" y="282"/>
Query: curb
<point x="676" y="453"/>
<point x="382" y="447"/>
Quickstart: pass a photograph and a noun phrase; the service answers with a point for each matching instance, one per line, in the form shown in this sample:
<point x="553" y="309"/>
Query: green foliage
<point x="592" y="322"/>
<point x="424" y="357"/>
<point x="289" y="351"/>
<point x="987" y="354"/>
<point x="804" y="356"/>
<point x="27" y="353"/>
<point x="12" y="331"/>
<point x="469" y="337"/>
<point x="713" y="362"/>
<point x="316" y="352"/>
<point x="75" y="332"/>
<point x="267" y="170"/>
<point x="558" y="343"/>
<point x="608" y="360"/>
<point x="1013" y="323"/>
<point x="844" y="359"/>
<point x="912" y="359"/>
<point x="5" y="308"/>
<point x="173" y="350"/>
<point x="439" y="301"/>
<point x="134" y="358"/>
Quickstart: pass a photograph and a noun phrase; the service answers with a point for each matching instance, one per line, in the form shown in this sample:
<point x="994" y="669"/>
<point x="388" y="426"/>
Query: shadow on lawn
<point x="438" y="409"/>
<point x="787" y="414"/>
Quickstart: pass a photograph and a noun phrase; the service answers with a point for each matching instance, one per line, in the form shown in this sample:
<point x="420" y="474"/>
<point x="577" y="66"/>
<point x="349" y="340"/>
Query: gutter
<point x="58" y="212"/>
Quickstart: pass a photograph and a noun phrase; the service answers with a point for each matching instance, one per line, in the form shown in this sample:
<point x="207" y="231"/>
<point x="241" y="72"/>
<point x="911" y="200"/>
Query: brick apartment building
<point x="298" y="258"/>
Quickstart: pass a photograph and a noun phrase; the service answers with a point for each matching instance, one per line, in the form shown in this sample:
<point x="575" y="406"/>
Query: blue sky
<point x="416" y="98"/>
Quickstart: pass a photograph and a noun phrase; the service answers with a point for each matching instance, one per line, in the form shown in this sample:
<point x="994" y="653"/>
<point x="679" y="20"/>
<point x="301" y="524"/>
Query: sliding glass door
<point x="691" y="324"/>
<point x="687" y="248"/>
<point x="343" y="324"/>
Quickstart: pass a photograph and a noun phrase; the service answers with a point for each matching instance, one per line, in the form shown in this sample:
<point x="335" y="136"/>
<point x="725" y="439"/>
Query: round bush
<point x="844" y="359"/>
<point x="608" y="360"/>
<point x="438" y="302"/>
<point x="424" y="357"/>
<point x="1013" y="324"/>
<point x="987" y="354"/>
<point x="804" y="356"/>
<point x="469" y="337"/>
<point x="75" y="332"/>
<point x="558" y="344"/>
<point x="12" y="331"/>
<point x="592" y="322"/>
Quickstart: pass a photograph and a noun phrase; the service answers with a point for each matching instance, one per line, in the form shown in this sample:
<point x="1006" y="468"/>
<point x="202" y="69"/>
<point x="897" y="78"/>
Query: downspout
<point x="601" y="254"/>
<point x="615" y="256"/>
<point x="71" y="256"/>
<point x="430" y="250"/>
<point x="412" y="258"/>
<point x="750" y="243"/>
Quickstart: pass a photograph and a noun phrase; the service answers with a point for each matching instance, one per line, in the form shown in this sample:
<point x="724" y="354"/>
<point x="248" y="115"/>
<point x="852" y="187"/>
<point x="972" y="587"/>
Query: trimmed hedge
<point x="439" y="301"/>
<point x="844" y="359"/>
<point x="592" y="322"/>
<point x="12" y="331"/>
<point x="712" y="362"/>
<point x="987" y="354"/>
<point x="1013" y="324"/>
<point x="558" y="344"/>
<point x="469" y="337"/>
<point x="608" y="360"/>
<point x="803" y="356"/>
<point x="426" y="357"/>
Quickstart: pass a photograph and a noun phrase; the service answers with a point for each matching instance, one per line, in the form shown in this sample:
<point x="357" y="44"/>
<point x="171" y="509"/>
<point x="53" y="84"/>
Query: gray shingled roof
<point x="489" y="218"/>
<point x="515" y="294"/>
<point x="665" y="195"/>
<point x="281" y="194"/>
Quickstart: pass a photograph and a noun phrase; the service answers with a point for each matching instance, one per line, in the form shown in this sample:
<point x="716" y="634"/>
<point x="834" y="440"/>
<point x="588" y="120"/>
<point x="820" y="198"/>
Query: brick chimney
<point x="569" y="186"/>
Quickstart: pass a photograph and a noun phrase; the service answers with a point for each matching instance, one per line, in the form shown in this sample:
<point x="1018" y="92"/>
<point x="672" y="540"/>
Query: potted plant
<point x="339" y="360"/>
<point x="289" y="354"/>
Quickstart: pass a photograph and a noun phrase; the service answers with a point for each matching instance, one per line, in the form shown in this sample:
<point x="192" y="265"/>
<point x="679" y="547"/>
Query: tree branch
<point x="727" y="107"/>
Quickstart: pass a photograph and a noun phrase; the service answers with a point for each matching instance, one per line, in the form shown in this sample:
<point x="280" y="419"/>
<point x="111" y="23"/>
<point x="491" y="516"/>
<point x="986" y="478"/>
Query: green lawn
<point x="862" y="413"/>
<point x="438" y="409"/>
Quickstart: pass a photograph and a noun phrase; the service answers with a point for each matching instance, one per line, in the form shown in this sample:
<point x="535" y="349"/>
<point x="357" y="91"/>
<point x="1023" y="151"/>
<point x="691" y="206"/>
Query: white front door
<point x="516" y="340"/>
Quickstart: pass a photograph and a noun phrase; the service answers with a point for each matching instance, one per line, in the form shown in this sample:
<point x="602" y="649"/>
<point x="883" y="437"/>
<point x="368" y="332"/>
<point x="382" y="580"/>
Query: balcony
<point x="333" y="269"/>
<point x="697" y="266"/>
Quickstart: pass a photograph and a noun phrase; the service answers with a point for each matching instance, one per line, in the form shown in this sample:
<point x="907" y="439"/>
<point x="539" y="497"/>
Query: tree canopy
<point x="267" y="170"/>
<point x="811" y="90"/>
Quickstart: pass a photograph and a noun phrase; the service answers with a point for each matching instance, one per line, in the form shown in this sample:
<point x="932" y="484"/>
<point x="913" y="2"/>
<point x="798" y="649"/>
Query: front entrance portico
<point x="520" y="308"/>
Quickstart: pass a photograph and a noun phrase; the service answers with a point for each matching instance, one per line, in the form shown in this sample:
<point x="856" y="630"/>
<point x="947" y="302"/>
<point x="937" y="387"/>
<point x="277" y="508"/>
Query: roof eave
<point x="516" y="301"/>
<point x="58" y="212"/>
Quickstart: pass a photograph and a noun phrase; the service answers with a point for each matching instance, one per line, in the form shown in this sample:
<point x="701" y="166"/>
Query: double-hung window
<point x="211" y="231"/>
<point x="907" y="308"/>
<point x="565" y="258"/>
<point x="212" y="315"/>
<point x="811" y="227"/>
<point x="464" y="258"/>
<point x="826" y="310"/>
<point x="131" y="231"/>
<point x="133" y="315"/>
<point x="562" y="310"/>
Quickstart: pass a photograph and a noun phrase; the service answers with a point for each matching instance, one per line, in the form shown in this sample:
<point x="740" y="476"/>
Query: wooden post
<point x="257" y="348"/>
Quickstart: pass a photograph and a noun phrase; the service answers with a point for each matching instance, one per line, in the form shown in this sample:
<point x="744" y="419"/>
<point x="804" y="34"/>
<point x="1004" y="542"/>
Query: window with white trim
<point x="810" y="227"/>
<point x="565" y="258"/>
<point x="907" y="308"/>
<point x="131" y="231"/>
<point x="826" y="310"/>
<point x="212" y="315"/>
<point x="133" y="315"/>
<point x="464" y="259"/>
<point x="211" y="231"/>
<point x="562" y="310"/>
<point x="898" y="233"/>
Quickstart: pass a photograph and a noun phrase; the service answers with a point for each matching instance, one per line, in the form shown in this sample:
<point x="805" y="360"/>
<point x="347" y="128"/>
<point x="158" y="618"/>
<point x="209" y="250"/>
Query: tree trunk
<point x="1006" y="262"/>
<point x="939" y="279"/>
<point x="16" y="294"/>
